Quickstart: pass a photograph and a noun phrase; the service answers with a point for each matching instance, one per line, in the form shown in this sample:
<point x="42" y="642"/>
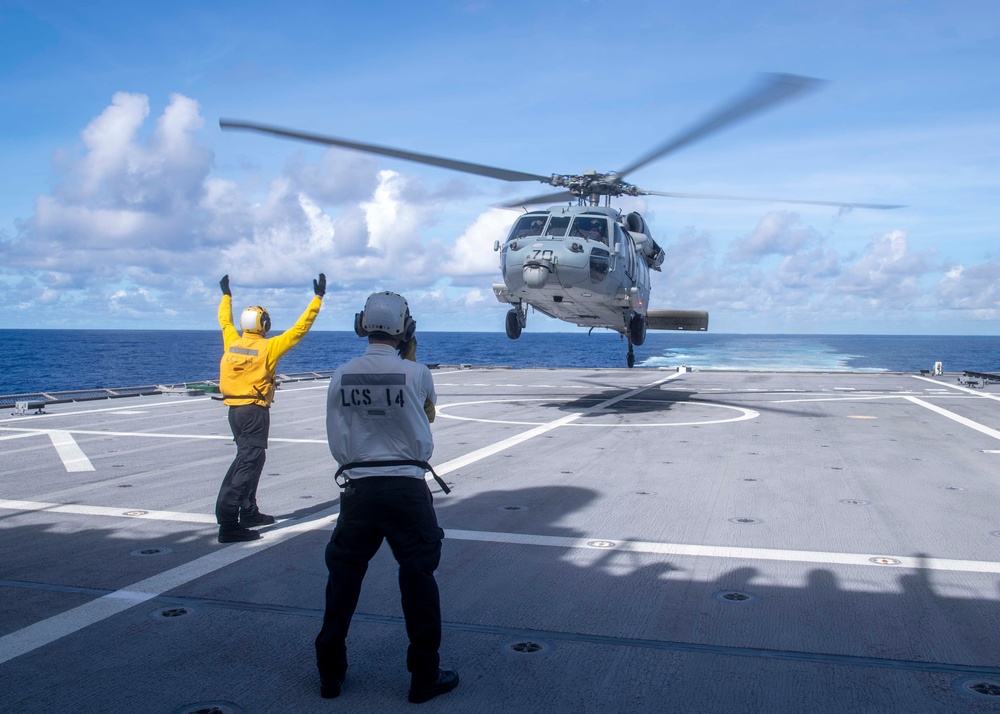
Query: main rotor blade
<point x="713" y="196"/>
<point x="557" y="197"/>
<point x="465" y="166"/>
<point x="775" y="89"/>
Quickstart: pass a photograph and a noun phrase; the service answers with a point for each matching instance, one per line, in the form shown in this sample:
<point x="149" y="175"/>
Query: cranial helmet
<point x="387" y="313"/>
<point x="255" y="319"/>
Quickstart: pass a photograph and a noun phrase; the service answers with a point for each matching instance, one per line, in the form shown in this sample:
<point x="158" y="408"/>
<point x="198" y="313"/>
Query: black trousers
<point x="400" y="510"/>
<point x="250" y="424"/>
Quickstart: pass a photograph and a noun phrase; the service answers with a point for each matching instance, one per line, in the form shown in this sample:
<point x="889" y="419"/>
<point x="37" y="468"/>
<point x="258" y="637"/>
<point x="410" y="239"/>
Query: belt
<point x="397" y="462"/>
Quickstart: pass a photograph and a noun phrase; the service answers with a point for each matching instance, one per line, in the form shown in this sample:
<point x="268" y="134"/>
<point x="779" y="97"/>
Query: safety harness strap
<point x="398" y="462"/>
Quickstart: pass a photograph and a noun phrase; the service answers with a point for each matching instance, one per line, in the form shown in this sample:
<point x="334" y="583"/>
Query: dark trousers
<point x="400" y="510"/>
<point x="250" y="424"/>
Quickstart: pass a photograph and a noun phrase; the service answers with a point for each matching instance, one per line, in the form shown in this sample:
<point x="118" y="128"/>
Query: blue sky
<point x="122" y="203"/>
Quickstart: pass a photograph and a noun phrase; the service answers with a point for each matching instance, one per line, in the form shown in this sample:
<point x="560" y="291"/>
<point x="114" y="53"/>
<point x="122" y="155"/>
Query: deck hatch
<point x="151" y="551"/>
<point x="172" y="612"/>
<point x="738" y="597"/>
<point x="526" y="647"/>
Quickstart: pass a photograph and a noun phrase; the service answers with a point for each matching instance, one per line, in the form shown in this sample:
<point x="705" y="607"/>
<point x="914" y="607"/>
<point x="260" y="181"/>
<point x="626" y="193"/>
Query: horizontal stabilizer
<point x="693" y="320"/>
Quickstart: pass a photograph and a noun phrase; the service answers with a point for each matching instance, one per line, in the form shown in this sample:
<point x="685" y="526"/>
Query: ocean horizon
<point x="43" y="360"/>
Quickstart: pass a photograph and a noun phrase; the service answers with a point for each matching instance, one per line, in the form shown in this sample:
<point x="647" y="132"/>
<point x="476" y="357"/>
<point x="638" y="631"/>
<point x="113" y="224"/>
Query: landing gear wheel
<point x="513" y="324"/>
<point x="630" y="358"/>
<point x="637" y="329"/>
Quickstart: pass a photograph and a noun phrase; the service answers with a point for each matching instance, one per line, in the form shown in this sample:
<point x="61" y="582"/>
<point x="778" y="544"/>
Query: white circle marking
<point x="745" y="414"/>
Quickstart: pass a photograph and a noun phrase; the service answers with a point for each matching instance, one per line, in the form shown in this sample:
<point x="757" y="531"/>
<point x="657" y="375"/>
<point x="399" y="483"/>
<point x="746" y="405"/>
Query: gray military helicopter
<point x="586" y="263"/>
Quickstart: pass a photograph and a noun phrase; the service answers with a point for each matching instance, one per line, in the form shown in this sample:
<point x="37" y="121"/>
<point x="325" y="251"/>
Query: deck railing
<point x="35" y="401"/>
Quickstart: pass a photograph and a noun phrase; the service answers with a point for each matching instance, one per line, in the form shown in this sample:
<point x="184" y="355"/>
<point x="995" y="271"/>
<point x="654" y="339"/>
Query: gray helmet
<point x="387" y="313"/>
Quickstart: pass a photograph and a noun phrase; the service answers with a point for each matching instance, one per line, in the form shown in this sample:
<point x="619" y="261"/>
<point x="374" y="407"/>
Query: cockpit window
<point x="527" y="226"/>
<point x="590" y="228"/>
<point x="557" y="226"/>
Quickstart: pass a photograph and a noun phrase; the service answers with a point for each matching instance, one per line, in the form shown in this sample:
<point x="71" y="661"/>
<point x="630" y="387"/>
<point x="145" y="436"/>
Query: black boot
<point x="251" y="520"/>
<point x="423" y="689"/>
<point x="329" y="687"/>
<point x="235" y="533"/>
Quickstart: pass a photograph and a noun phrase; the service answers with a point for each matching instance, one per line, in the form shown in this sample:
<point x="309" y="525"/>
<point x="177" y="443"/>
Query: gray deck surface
<point x="682" y="542"/>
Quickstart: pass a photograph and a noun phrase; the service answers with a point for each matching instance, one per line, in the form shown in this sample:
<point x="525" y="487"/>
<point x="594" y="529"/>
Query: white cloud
<point x="473" y="256"/>
<point x="140" y="223"/>
<point x="472" y="299"/>
<point x="138" y="303"/>
<point x="777" y="233"/>
<point x="886" y="283"/>
<point x="110" y="142"/>
<point x="975" y="289"/>
<point x="888" y="273"/>
<point x="144" y="212"/>
<point x="342" y="178"/>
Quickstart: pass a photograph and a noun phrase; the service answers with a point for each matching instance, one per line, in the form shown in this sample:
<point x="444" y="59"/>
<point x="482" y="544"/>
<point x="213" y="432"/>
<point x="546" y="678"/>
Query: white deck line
<point x="83" y="510"/>
<point x="496" y="448"/>
<point x="21" y="435"/>
<point x="985" y="395"/>
<point x="145" y="405"/>
<point x="956" y="417"/>
<point x="150" y="435"/>
<point x="858" y="398"/>
<point x="812" y="557"/>
<point x="66" y="623"/>
<point x="70" y="452"/>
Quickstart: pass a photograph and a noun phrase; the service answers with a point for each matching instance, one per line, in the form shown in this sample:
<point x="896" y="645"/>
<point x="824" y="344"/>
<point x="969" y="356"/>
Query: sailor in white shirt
<point x="379" y="409"/>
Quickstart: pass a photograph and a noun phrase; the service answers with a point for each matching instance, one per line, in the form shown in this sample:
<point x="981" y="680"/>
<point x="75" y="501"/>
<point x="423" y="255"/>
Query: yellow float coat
<point x="249" y="362"/>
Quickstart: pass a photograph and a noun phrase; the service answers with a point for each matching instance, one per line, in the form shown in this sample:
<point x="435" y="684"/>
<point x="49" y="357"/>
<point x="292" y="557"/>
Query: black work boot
<point x="235" y="533"/>
<point x="256" y="518"/>
<point x="424" y="689"/>
<point x="329" y="687"/>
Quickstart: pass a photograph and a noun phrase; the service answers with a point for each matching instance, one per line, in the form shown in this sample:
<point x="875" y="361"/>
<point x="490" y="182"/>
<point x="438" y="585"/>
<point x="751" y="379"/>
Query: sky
<point x="122" y="203"/>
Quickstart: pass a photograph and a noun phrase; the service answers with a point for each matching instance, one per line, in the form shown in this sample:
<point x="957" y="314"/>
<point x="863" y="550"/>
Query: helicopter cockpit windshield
<point x="530" y="225"/>
<point x="590" y="228"/>
<point x="557" y="226"/>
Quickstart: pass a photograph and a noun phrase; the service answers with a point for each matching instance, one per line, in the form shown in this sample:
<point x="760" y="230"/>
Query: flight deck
<point x="616" y="540"/>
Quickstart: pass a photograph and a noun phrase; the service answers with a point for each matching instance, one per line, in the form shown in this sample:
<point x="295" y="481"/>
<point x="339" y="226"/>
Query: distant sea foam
<point x="58" y="360"/>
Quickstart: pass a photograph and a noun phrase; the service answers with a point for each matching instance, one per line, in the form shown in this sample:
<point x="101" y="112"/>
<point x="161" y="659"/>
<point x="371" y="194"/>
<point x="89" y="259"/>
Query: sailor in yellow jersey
<point x="247" y="381"/>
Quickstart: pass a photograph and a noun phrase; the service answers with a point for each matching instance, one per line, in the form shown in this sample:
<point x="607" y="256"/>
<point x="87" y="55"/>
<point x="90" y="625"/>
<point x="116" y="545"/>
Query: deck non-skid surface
<point x="617" y="540"/>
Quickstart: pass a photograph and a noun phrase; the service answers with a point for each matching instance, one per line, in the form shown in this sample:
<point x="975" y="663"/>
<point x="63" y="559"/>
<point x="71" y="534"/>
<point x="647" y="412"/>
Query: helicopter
<point x="585" y="263"/>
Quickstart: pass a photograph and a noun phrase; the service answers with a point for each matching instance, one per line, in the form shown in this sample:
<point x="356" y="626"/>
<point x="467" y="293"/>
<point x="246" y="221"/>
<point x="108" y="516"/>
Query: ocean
<point x="60" y="360"/>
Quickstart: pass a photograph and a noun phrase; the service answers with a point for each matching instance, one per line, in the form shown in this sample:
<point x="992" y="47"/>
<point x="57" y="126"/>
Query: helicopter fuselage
<point x="579" y="264"/>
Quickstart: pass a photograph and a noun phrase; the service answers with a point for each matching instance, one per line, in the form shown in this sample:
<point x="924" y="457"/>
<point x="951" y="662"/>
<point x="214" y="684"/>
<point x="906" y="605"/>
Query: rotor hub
<point x="594" y="184"/>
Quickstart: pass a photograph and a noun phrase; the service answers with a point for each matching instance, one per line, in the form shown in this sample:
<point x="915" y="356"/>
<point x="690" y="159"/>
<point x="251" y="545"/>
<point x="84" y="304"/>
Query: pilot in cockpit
<point x="591" y="229"/>
<point x="534" y="229"/>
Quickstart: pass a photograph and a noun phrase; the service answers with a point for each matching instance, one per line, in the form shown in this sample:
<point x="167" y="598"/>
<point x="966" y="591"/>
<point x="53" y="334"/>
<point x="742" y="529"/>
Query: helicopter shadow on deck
<point x="653" y="401"/>
<point x="900" y="648"/>
<point x="695" y="632"/>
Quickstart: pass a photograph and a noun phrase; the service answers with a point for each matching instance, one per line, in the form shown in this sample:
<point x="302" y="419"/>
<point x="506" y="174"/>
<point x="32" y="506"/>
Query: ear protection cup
<point x="358" y="329"/>
<point x="255" y="319"/>
<point x="385" y="313"/>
